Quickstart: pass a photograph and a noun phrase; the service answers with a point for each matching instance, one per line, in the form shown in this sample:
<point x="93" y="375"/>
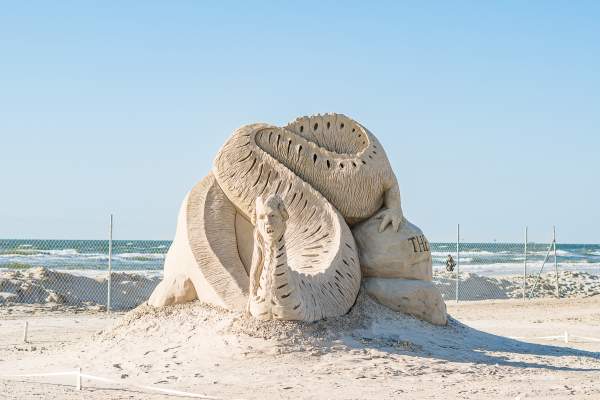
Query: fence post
<point x="555" y="262"/>
<point x="525" y="266"/>
<point x="78" y="379"/>
<point x="457" y="260"/>
<point x="25" y="328"/>
<point x="110" y="232"/>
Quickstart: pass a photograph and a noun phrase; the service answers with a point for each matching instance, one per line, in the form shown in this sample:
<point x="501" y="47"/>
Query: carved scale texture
<point x="211" y="232"/>
<point x="318" y="165"/>
<point x="338" y="157"/>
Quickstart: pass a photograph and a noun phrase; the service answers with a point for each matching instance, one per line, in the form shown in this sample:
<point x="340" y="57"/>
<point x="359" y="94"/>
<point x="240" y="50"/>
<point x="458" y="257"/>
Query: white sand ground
<point x="372" y="353"/>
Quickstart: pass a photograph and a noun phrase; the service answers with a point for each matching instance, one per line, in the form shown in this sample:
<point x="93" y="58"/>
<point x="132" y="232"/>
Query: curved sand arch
<point x="337" y="156"/>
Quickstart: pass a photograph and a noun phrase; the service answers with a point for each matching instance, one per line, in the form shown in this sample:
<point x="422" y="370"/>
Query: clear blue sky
<point x="489" y="111"/>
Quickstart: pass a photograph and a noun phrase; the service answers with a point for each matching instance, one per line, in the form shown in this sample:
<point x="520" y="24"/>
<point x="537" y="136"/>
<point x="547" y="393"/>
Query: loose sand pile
<point x="476" y="287"/>
<point x="368" y="325"/>
<point x="367" y="322"/>
<point x="41" y="285"/>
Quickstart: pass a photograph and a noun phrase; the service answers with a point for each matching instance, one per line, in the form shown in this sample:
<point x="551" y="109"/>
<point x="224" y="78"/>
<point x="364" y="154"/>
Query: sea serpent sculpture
<point x="307" y="182"/>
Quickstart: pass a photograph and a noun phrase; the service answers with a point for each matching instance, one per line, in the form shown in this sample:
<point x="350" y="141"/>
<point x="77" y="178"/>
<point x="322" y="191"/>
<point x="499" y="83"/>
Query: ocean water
<point x="493" y="259"/>
<point x="127" y="255"/>
<point x="147" y="256"/>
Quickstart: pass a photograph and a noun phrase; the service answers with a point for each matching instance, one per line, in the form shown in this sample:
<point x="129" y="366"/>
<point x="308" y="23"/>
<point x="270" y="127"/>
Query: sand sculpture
<point x="267" y="231"/>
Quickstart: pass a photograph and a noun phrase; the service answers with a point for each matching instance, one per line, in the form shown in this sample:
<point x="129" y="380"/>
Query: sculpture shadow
<point x="461" y="343"/>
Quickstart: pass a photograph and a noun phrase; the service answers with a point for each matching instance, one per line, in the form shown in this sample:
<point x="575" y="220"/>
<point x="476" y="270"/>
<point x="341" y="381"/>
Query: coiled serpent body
<point x="328" y="171"/>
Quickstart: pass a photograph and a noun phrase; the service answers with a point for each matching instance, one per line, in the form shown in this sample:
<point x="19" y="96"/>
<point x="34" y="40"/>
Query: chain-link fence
<point x="482" y="271"/>
<point x="73" y="273"/>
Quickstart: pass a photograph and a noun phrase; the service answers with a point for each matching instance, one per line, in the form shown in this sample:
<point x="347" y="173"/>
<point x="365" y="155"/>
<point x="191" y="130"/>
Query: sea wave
<point x="140" y="256"/>
<point x="508" y="268"/>
<point x="560" y="253"/>
<point x="56" y="254"/>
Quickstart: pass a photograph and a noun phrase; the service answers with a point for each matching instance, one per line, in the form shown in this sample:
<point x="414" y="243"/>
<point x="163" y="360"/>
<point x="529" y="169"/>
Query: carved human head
<point x="271" y="216"/>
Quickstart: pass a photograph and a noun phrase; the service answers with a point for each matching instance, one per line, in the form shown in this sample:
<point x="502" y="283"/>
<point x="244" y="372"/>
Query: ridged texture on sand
<point x="318" y="165"/>
<point x="212" y="238"/>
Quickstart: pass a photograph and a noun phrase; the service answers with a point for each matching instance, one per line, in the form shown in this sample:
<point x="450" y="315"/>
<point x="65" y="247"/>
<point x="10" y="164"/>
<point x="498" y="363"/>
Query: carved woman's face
<point x="271" y="217"/>
<point x="270" y="222"/>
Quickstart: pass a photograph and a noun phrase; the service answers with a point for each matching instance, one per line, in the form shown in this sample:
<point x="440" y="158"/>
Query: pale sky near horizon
<point x="488" y="111"/>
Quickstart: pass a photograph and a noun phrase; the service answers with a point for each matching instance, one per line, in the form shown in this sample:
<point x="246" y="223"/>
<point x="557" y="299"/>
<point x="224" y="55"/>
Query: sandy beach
<point x="299" y="200"/>
<point x="490" y="349"/>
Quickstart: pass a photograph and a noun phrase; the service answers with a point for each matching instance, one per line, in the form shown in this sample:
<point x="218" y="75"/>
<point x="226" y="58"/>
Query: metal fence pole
<point x="525" y="266"/>
<point x="457" y="260"/>
<point x="555" y="262"/>
<point x="110" y="232"/>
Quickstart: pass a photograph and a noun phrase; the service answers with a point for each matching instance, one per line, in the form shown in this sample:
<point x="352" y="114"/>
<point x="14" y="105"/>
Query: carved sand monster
<point x="301" y="185"/>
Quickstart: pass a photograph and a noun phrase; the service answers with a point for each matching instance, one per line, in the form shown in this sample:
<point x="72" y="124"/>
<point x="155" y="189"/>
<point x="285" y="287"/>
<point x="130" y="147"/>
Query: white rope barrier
<point x="591" y="339"/>
<point x="565" y="336"/>
<point x="152" y="388"/>
<point x="41" y="374"/>
<point x="79" y="377"/>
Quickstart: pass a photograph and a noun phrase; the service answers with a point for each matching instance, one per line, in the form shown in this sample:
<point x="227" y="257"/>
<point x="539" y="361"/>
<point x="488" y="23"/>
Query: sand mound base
<point x="367" y="322"/>
<point x="367" y="325"/>
<point x="198" y="330"/>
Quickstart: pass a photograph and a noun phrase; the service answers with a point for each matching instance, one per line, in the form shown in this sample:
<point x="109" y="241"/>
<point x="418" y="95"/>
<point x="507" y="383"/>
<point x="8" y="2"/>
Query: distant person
<point x="450" y="263"/>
